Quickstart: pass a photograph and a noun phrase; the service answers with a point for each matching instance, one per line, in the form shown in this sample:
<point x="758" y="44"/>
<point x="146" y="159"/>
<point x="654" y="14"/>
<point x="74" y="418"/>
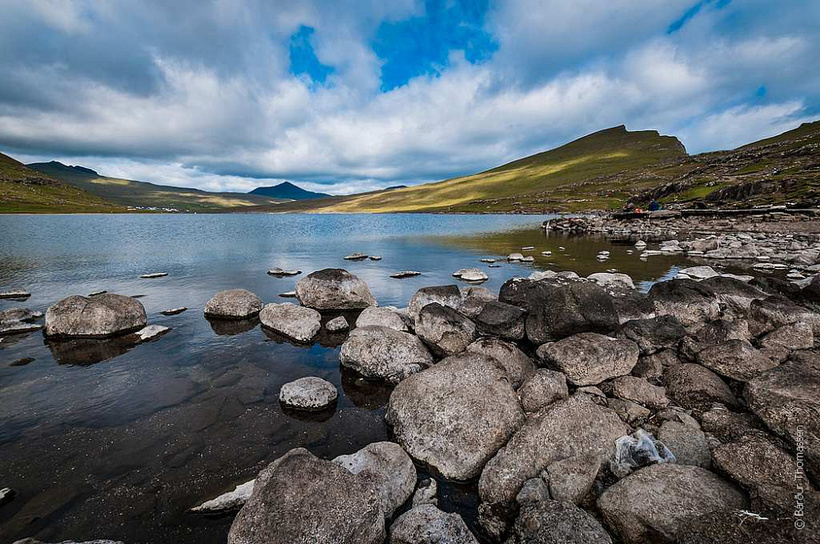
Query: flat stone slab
<point x="279" y="273"/>
<point x="174" y="311"/>
<point x="153" y="275"/>
<point x="405" y="274"/>
<point x="15" y="293"/>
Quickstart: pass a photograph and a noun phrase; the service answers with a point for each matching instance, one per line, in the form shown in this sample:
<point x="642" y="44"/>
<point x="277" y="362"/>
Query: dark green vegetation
<point x="23" y="190"/>
<point x="287" y="190"/>
<point x="613" y="167"/>
<point x="142" y="195"/>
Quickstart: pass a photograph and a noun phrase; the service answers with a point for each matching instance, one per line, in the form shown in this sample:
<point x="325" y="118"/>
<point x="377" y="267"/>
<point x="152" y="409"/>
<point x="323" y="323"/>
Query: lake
<point x="102" y="441"/>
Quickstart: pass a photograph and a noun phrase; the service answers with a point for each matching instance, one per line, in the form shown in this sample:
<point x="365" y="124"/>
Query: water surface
<point x="103" y="441"/>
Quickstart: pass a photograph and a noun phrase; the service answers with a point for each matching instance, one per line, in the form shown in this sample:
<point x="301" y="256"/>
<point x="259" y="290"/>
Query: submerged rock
<point x="233" y="304"/>
<point x="14" y="294"/>
<point x="174" y="311"/>
<point x="426" y="524"/>
<point x="334" y="289"/>
<point x="150" y="332"/>
<point x="154" y="275"/>
<point x="309" y="393"/>
<point x="590" y="358"/>
<point x="655" y="503"/>
<point x="295" y="322"/>
<point x="97" y="317"/>
<point x="405" y="274"/>
<point x="280" y="273"/>
<point x="389" y="468"/>
<point x="384" y="353"/>
<point x="300" y="498"/>
<point x="455" y="415"/>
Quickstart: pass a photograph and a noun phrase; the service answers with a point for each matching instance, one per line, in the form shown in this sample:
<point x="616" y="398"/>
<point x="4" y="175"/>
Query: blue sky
<point x="348" y="95"/>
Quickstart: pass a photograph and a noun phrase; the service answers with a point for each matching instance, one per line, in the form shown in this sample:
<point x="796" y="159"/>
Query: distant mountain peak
<point x="59" y="165"/>
<point x="287" y="190"/>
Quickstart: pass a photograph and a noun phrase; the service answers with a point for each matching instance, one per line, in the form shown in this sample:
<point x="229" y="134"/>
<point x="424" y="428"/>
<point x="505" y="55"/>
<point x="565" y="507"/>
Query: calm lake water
<point x="100" y="441"/>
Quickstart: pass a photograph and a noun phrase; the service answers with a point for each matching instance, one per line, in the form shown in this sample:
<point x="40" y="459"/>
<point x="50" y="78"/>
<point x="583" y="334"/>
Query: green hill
<point x="144" y="195"/>
<point x="287" y="190"/>
<point x="601" y="170"/>
<point x="23" y="190"/>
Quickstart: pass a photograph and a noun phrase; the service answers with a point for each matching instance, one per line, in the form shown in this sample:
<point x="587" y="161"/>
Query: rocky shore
<point x="585" y="410"/>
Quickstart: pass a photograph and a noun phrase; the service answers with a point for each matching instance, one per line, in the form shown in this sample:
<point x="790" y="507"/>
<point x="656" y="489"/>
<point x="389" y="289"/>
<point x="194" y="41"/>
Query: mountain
<point x="287" y="190"/>
<point x="23" y="190"/>
<point x="144" y="195"/>
<point x="601" y="170"/>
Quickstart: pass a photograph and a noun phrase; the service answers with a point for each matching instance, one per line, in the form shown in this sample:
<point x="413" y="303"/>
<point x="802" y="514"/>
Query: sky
<point x="344" y="96"/>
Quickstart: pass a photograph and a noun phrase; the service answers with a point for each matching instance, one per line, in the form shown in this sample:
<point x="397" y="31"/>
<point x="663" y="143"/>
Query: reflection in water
<point x="87" y="351"/>
<point x="368" y="394"/>
<point x="232" y="327"/>
<point x="315" y="416"/>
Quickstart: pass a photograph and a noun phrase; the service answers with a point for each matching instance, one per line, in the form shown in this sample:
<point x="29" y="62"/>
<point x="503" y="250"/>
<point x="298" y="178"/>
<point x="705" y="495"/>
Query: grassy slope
<point x="23" y="190"/>
<point x="586" y="173"/>
<point x="143" y="194"/>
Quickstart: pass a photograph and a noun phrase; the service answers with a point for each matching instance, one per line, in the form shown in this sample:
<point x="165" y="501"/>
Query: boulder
<point x="695" y="386"/>
<point x="631" y="412"/>
<point x="650" y="367"/>
<point x="446" y="295"/>
<point x="426" y="524"/>
<point x="726" y="425"/>
<point x="473" y="300"/>
<point x="95" y="317"/>
<point x="640" y="391"/>
<point x="295" y="322"/>
<point x="445" y="330"/>
<point x="337" y="324"/>
<point x="230" y="501"/>
<point x="541" y="389"/>
<point x="775" y="311"/>
<point x="655" y="334"/>
<point x="426" y="493"/>
<point x="698" y="272"/>
<point x="560" y="308"/>
<point x="713" y="333"/>
<point x="309" y="393"/>
<point x="590" y="358"/>
<point x="785" y="399"/>
<point x="789" y="337"/>
<point x="736" y="359"/>
<point x="571" y="479"/>
<point x="233" y="304"/>
<point x="501" y="319"/>
<point x="556" y="522"/>
<point x="471" y="274"/>
<point x="568" y="428"/>
<point x="766" y="471"/>
<point x="19" y="320"/>
<point x="608" y="279"/>
<point x="454" y="416"/>
<point x="389" y="468"/>
<point x="382" y="317"/>
<point x="300" y="498"/>
<point x="518" y="366"/>
<point x="334" y="289"/>
<point x="654" y="503"/>
<point x="688" y="300"/>
<point x="383" y="353"/>
<point x="687" y="443"/>
<point x="630" y="304"/>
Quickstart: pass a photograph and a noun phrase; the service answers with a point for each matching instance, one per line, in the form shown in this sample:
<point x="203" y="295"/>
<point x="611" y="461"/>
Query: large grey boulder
<point x="695" y="386"/>
<point x="766" y="471"/>
<point x="231" y="304"/>
<point x="94" y="317"/>
<point x="334" y="289"/>
<point x="474" y="299"/>
<point x="455" y="415"/>
<point x="735" y="294"/>
<point x="518" y="366"/>
<point x="590" y="358"/>
<point x="568" y="428"/>
<point x="426" y="524"/>
<point x="300" y="498"/>
<point x="776" y="311"/>
<point x="383" y="353"/>
<point x="542" y="389"/>
<point x="309" y="393"/>
<point x="381" y="317"/>
<point x="501" y="319"/>
<point x="713" y="333"/>
<point x="688" y="300"/>
<point x="389" y="467"/>
<point x="654" y="503"/>
<point x="736" y="359"/>
<point x="556" y="522"/>
<point x="446" y="295"/>
<point x="640" y="391"/>
<point x="655" y="334"/>
<point x="687" y="443"/>
<point x="560" y="308"/>
<point x="786" y="399"/>
<point x="295" y="322"/>
<point x="445" y="330"/>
